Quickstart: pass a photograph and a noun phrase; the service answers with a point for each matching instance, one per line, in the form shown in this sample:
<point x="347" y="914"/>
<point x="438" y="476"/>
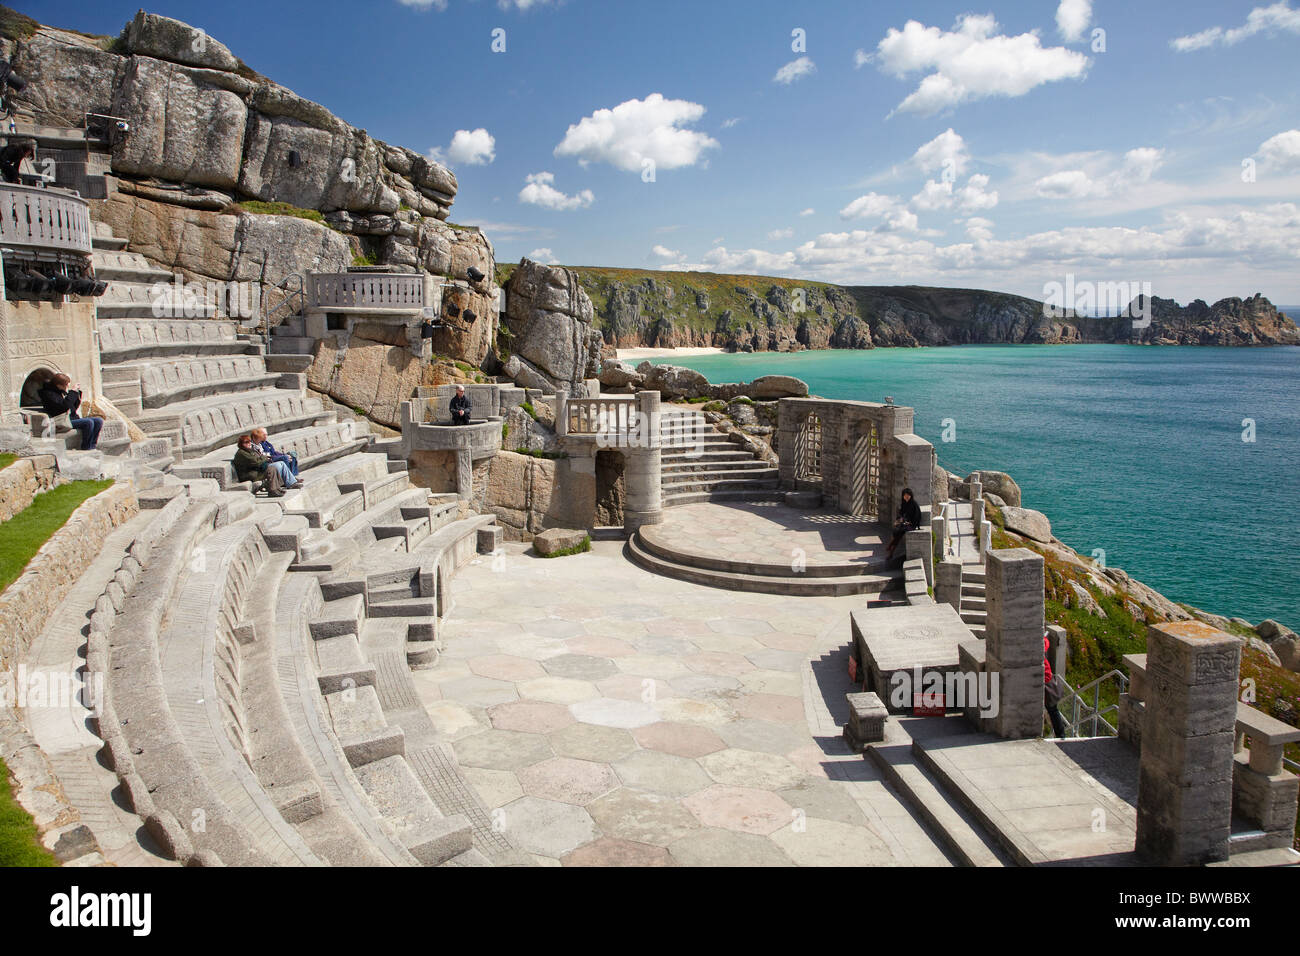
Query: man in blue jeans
<point x="266" y="448"/>
<point x="57" y="398"/>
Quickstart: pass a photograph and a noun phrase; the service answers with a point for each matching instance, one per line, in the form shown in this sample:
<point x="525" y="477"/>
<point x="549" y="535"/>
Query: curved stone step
<point x="692" y="497"/>
<point x="794" y="586"/>
<point x="652" y="539"/>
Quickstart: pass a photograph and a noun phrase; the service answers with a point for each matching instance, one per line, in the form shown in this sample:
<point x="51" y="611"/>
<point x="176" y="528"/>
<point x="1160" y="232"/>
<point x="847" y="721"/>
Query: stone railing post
<point x="1013" y="638"/>
<point x="1132" y="703"/>
<point x="561" y="412"/>
<point x="976" y="514"/>
<point x="1184" y="806"/>
<point x="986" y="540"/>
<point x="947" y="583"/>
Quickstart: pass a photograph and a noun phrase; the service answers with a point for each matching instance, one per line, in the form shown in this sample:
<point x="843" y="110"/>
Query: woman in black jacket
<point x="909" y="519"/>
<point x="57" y="397"/>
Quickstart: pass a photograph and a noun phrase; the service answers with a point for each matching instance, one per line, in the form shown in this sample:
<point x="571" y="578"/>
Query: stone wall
<point x="23" y="480"/>
<point x="59" y="336"/>
<point x="530" y="494"/>
<point x="27" y="603"/>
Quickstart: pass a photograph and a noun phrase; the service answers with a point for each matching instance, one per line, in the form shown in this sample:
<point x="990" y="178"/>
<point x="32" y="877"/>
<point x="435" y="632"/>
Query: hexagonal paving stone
<point x="726" y="644"/>
<point x="748" y="768"/>
<point x="611" y="712"/>
<point x="773" y="682"/>
<point x="641" y="817"/>
<point x="568" y="780"/>
<point x="532" y="716"/>
<point x="479" y="691"/>
<point x="502" y="750"/>
<point x="546" y="827"/>
<point x="652" y="665"/>
<point x="557" y="690"/>
<point x="614" y="628"/>
<point x="690" y="711"/>
<point x="770" y="707"/>
<point x="704" y="686"/>
<point x="764" y="736"/>
<point x="600" y="646"/>
<point x="732" y="665"/>
<point x="495" y="788"/>
<point x="676" y="626"/>
<point x="661" y="773"/>
<point x="777" y="660"/>
<point x="682" y="740"/>
<point x="531" y="646"/>
<point x="830" y="843"/>
<point x="714" y="847"/>
<point x="783" y="640"/>
<point x="665" y="645"/>
<point x="744" y="626"/>
<point x="610" y="852"/>
<point x="555" y="627"/>
<point x="742" y="809"/>
<point x="631" y="687"/>
<point x="825" y="799"/>
<point x="505" y="667"/>
<point x="453" y="720"/>
<point x="590" y="742"/>
<point x="634" y="612"/>
<point x="580" y="666"/>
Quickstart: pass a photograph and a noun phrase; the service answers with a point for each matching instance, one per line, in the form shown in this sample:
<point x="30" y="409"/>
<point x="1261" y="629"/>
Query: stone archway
<point x="27" y="397"/>
<point x="611" y="488"/>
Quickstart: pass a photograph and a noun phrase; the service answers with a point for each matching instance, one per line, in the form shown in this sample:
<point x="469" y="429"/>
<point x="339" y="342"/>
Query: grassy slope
<point x="20" y="538"/>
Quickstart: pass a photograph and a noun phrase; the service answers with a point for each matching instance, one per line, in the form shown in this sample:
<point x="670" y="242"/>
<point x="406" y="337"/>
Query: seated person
<point x="460" y="407"/>
<point x="909" y="519"/>
<point x="252" y="465"/>
<point x="16" y="159"/>
<point x="264" y="445"/>
<point x="58" y="398"/>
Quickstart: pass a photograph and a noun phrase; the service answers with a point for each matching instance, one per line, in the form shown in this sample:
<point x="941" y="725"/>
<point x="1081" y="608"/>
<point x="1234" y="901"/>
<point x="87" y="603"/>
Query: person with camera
<point x="59" y="398"/>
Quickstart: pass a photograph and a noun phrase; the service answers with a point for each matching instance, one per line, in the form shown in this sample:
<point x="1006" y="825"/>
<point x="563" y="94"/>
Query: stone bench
<point x="122" y="339"/>
<point x="206" y="424"/>
<point x="164" y="382"/>
<point x="315" y="446"/>
<point x="1263" y="791"/>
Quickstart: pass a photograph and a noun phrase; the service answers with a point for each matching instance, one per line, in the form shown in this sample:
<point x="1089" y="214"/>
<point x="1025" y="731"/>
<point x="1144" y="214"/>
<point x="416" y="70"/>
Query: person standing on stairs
<point x="58" y="398"/>
<point x="909" y="519"/>
<point x="1052" y="692"/>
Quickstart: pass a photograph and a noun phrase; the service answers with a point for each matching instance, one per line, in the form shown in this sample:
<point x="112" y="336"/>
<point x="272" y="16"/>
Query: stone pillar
<point x="1013" y="637"/>
<point x="648" y="421"/>
<point x="920" y="544"/>
<point x="561" y="412"/>
<point x="464" y="473"/>
<point x="977" y="515"/>
<point x="976" y="488"/>
<point x="789" y="415"/>
<point x="947" y="583"/>
<point x="986" y="539"/>
<point x="1184" y="809"/>
<point x="643" y="504"/>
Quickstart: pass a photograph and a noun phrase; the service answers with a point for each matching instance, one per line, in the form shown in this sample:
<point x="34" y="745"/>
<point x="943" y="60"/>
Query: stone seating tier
<point x="314" y="445"/>
<point x="205" y="424"/>
<point x="164" y="382"/>
<point x="126" y="339"/>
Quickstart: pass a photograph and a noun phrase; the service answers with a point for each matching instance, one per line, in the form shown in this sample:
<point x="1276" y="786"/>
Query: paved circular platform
<point x="767" y="537"/>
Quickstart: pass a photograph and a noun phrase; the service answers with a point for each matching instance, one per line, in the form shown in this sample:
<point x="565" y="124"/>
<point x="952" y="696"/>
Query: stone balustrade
<point x="611" y="417"/>
<point x="44" y="219"/>
<point x="1263" y="791"/>
<point x="365" y="292"/>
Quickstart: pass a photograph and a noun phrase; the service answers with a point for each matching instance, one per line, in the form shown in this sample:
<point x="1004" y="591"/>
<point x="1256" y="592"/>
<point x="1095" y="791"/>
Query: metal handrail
<point x="294" y="288"/>
<point x="1094" y="713"/>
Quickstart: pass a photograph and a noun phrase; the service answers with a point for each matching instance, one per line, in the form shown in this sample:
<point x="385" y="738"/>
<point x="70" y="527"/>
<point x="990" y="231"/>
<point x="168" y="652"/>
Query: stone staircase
<point x="701" y="464"/>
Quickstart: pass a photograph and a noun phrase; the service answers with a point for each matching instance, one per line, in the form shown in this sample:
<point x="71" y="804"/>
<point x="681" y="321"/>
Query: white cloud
<point x="1268" y="20"/>
<point x="780" y="234"/>
<point x="971" y="62"/>
<point x="1073" y="18"/>
<point x="1103" y="181"/>
<point x="945" y="151"/>
<point x="808" y="212"/>
<point x="974" y="196"/>
<point x="740" y="262"/>
<point x="979" y="228"/>
<point x="638" y="130"/>
<point x="468" y="148"/>
<point x="424" y="4"/>
<point x="728" y="123"/>
<point x="544" y="255"/>
<point x="1282" y="151"/>
<point x="933" y="196"/>
<point x="794" y="70"/>
<point x="521" y="4"/>
<point x="860" y="59"/>
<point x="663" y="252"/>
<point x="892" y="213"/>
<point x="540" y="191"/>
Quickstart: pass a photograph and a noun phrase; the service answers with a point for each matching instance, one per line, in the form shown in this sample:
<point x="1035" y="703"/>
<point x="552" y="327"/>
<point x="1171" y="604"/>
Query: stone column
<point x="464" y="473"/>
<point x="947" y="583"/>
<point x="1184" y="809"/>
<point x="977" y="515"/>
<point x="1014" y="639"/>
<point x="644" y="504"/>
<point x="561" y="412"/>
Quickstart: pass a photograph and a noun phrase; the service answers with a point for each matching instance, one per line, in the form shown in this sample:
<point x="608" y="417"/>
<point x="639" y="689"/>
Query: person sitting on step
<point x="909" y="519"/>
<point x="57" y="398"/>
<point x="264" y="445"/>
<point x="251" y="464"/>
<point x="460" y="407"/>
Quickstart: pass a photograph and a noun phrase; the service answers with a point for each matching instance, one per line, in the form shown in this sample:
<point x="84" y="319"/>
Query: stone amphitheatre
<point x="622" y="617"/>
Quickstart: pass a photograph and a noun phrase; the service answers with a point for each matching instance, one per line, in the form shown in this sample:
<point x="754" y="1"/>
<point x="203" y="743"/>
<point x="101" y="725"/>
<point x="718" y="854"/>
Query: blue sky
<point x="996" y="146"/>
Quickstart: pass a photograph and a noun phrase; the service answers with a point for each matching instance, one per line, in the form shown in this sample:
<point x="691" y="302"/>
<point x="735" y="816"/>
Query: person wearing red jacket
<point x="1051" y="693"/>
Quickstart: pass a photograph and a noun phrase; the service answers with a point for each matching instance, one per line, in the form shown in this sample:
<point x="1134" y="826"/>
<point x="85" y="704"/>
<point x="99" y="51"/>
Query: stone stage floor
<point x="608" y="715"/>
<point x="771" y="533"/>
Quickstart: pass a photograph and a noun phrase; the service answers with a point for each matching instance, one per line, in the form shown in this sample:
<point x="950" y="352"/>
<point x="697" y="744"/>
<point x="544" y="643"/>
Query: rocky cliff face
<point x="548" y="321"/>
<point x="739" y="313"/>
<point x="207" y="133"/>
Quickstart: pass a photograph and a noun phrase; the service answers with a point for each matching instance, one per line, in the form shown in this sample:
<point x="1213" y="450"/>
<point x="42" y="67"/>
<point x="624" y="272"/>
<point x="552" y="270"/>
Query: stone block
<point x="1194" y="653"/>
<point x="1018" y="647"/>
<point x="1201" y="758"/>
<point x="867" y="715"/>
<point x="489" y="539"/>
<point x="1267" y="800"/>
<point x="557" y="539"/>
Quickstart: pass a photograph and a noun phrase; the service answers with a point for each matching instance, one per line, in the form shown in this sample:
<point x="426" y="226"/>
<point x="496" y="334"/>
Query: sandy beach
<point x="637" y="355"/>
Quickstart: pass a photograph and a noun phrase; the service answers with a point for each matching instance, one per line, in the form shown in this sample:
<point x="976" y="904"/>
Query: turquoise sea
<point x="1135" y="450"/>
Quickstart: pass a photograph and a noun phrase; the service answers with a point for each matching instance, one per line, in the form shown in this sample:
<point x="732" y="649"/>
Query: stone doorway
<point x="27" y="396"/>
<point x="611" y="488"/>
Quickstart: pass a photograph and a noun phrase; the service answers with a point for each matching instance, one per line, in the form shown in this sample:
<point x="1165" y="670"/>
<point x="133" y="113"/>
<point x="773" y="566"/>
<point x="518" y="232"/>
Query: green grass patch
<point x="19" y="842"/>
<point x="505" y="431"/>
<point x="580" y="548"/>
<point x="698" y="400"/>
<point x="364" y="260"/>
<point x="715" y="406"/>
<point x="23" y="534"/>
<point x="16" y="26"/>
<point x="529" y="410"/>
<point x="7" y="459"/>
<point x="257" y="207"/>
